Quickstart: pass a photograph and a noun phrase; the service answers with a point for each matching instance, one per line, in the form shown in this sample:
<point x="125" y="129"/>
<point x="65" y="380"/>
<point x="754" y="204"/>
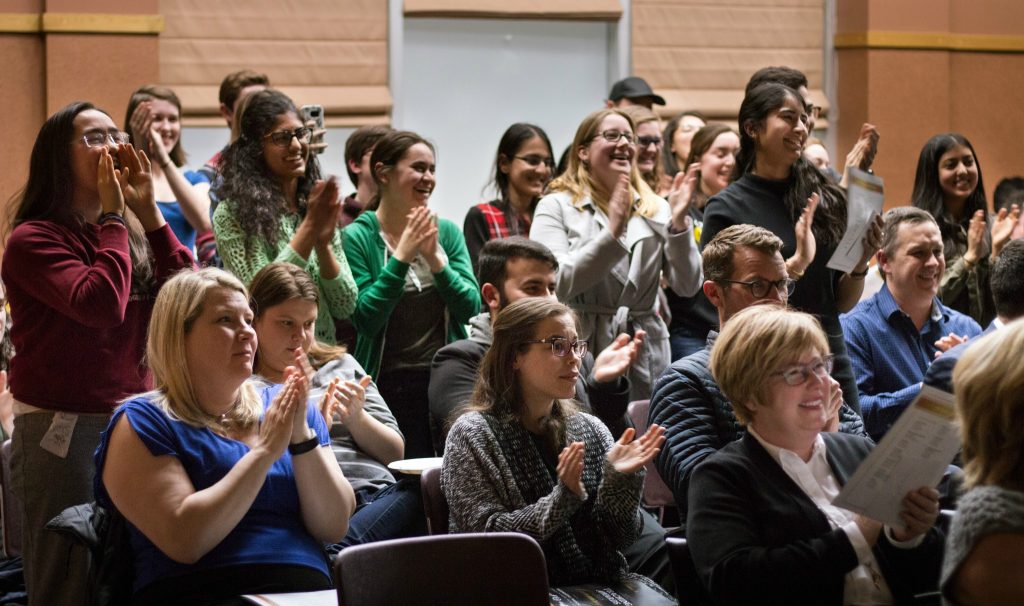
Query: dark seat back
<point x="690" y="590"/>
<point x="9" y="507"/>
<point x="434" y="504"/>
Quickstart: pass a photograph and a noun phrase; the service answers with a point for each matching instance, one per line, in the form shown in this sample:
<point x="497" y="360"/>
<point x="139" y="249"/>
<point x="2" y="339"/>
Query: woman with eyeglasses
<point x="522" y="169"/>
<point x="760" y="523"/>
<point x="153" y="120"/>
<point x="648" y="148"/>
<point x="614" y="239"/>
<point x="523" y="458"/>
<point x="274" y="207"/>
<point x="87" y="253"/>
<point x="416" y="286"/>
<point x="776" y="188"/>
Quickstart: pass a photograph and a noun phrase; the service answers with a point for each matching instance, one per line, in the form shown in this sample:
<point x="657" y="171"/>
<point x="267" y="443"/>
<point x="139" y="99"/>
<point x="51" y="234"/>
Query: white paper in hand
<point x="914" y="453"/>
<point x="864" y="200"/>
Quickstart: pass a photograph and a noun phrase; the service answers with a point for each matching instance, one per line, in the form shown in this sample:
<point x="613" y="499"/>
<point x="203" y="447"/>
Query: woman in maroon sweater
<point x="88" y="251"/>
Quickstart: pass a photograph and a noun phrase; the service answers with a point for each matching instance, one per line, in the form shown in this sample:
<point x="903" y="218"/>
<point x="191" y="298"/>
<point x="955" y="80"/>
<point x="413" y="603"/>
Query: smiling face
<point x="542" y="375"/>
<point x="166" y="121"/>
<point x="688" y="127"/>
<point x="282" y="329"/>
<point x="286" y="161"/>
<point x="608" y="160"/>
<point x="915" y="268"/>
<point x="221" y="344"/>
<point x="525" y="180"/>
<point x="958" y="173"/>
<point x="647" y="156"/>
<point x="413" y="178"/>
<point x="717" y="163"/>
<point x="780" y="138"/>
<point x="791" y="416"/>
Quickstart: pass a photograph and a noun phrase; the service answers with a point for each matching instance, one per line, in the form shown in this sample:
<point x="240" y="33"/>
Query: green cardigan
<point x="246" y="258"/>
<point x="381" y="286"/>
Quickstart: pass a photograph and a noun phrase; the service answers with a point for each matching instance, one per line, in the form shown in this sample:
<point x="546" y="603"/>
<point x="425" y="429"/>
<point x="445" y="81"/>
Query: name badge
<point x="58" y="436"/>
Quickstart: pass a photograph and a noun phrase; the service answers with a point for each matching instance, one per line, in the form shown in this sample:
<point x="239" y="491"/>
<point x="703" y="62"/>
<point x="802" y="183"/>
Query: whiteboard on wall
<point x="464" y="81"/>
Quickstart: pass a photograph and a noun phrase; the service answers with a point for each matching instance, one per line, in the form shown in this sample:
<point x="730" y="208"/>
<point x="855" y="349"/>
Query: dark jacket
<point x="698" y="419"/>
<point x="756" y="538"/>
<point x="454" y="371"/>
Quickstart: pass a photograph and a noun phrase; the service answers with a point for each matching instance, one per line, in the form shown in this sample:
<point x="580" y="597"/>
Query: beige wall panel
<point x="117" y="7"/>
<point x="308" y="62"/>
<point x="709" y="68"/>
<point x="269" y="20"/>
<point x="998" y="17"/>
<point x="910" y="15"/>
<point x="986" y="108"/>
<point x="73" y="73"/>
<point x="740" y="3"/>
<point x="724" y="27"/>
<point x="22" y="94"/>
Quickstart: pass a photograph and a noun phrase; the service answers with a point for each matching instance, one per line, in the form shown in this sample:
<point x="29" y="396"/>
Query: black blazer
<point x="756" y="538"/>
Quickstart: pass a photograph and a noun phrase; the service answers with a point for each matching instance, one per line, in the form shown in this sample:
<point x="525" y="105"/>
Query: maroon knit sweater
<point x="79" y="333"/>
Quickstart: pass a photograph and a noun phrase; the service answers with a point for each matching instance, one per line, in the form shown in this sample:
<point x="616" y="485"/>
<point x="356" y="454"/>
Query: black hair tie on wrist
<point x="304" y="447"/>
<point x="112" y="217"/>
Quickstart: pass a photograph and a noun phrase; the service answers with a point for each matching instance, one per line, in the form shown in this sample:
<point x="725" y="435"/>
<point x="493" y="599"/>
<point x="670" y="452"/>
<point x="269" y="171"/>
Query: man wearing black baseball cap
<point x="633" y="91"/>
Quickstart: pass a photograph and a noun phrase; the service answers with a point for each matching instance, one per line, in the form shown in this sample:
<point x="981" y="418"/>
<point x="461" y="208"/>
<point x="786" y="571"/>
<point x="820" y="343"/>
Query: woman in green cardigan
<point x="275" y="207"/>
<point x="415" y="280"/>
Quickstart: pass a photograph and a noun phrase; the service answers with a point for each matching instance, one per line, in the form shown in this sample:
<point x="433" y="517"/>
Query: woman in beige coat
<point x="614" y="238"/>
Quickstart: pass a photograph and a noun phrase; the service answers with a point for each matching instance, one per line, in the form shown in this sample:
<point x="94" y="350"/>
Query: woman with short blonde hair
<point x="982" y="564"/>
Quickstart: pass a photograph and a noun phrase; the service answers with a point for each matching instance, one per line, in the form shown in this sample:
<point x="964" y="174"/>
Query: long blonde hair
<point x="177" y="307"/>
<point x="577" y="180"/>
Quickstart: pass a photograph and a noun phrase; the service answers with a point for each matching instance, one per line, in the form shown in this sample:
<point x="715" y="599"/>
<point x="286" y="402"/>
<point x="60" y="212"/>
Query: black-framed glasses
<point x="613" y="136"/>
<point x="536" y="161"/>
<point x="759" y="289"/>
<point x="645" y="140"/>
<point x="283" y="138"/>
<point x="560" y="346"/>
<point x="101" y="139"/>
<point x="800" y="373"/>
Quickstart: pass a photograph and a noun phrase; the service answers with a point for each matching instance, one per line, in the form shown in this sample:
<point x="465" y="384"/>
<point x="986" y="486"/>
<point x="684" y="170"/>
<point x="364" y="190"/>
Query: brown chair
<point x="435" y="506"/>
<point x="689" y="588"/>
<point x="494" y="568"/>
<point x="9" y="508"/>
<point x="657" y="494"/>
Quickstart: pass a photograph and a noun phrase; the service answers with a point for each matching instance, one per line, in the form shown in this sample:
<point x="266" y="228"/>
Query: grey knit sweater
<point x="982" y="511"/>
<point x="496" y="481"/>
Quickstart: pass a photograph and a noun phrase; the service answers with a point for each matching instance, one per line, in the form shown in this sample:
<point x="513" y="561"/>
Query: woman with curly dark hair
<point x="275" y="207"/>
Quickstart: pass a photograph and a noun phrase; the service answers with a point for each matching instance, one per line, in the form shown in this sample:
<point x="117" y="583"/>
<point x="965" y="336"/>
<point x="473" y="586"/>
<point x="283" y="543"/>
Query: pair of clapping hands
<point x="625" y="456"/>
<point x="342" y="401"/>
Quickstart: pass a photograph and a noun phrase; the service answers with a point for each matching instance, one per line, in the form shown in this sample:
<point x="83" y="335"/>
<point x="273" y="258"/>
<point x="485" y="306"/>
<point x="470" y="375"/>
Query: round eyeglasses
<point x="561" y="347"/>
<point x="102" y="139"/>
<point x="759" y="289"/>
<point x="283" y="138"/>
<point x="800" y="373"/>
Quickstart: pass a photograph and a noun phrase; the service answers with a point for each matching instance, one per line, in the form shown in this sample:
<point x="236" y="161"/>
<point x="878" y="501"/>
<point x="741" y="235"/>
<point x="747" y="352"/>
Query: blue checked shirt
<point x="890" y="356"/>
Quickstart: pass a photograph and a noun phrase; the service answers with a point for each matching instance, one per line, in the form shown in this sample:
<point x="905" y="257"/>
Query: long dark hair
<point x="147" y="93"/>
<point x="928" y="194"/>
<point x="248" y="186"/>
<point x="702" y="141"/>
<point x="279" y="283"/>
<point x="804" y="178"/>
<point x="511" y="142"/>
<point x="388" y="151"/>
<point x="49" y="192"/>
<point x="497" y="391"/>
<point x="668" y="157"/>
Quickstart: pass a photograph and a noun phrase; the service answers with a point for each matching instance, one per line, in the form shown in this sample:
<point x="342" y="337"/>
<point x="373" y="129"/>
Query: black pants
<point x="405" y="392"/>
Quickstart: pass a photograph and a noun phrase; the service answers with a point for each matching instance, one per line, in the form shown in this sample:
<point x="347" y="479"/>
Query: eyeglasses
<point x="283" y="138"/>
<point x="645" y="140"/>
<point x="814" y="111"/>
<point x="536" y="161"/>
<point x="561" y="347"/>
<point x="101" y="139"/>
<point x="760" y="288"/>
<point x="800" y="373"/>
<point x="613" y="136"/>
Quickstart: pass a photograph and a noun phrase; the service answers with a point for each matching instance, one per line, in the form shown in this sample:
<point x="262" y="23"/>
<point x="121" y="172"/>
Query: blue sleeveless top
<point x="172" y="213"/>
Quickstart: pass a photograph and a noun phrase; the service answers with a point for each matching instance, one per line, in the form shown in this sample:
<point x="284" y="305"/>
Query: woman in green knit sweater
<point x="415" y="279"/>
<point x="275" y="207"/>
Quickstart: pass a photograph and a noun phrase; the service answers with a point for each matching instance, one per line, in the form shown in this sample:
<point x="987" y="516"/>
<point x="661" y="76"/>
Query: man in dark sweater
<point x="512" y="269"/>
<point x="743" y="266"/>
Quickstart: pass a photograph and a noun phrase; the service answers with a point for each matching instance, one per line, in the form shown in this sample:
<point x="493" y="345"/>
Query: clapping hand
<point x="629" y="455"/>
<point x="614" y="361"/>
<point x="570" y="468"/>
<point x="1003" y="228"/>
<point x="949" y="342"/>
<point x="618" y="207"/>
<point x="975" y="238"/>
<point x="834" y="404"/>
<point x="806" y="246"/>
<point x="680" y="195"/>
<point x="346" y="399"/>
<point x="872" y="241"/>
<point x="323" y="210"/>
<point x="277" y="427"/>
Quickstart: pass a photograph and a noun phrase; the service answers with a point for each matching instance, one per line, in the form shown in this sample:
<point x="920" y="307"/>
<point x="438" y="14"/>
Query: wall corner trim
<point x="101" y="23"/>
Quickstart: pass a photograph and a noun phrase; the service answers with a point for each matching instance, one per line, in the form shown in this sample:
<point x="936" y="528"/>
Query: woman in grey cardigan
<point x="525" y="460"/>
<point x="615" y="239"/>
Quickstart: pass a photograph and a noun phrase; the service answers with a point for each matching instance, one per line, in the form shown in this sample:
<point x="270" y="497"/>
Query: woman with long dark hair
<point x="88" y="251"/>
<point x="776" y="188"/>
<point x="274" y="207"/>
<point x="416" y="286"/>
<point x="522" y="169"/>
<point x="153" y="120"/>
<point x="525" y="459"/>
<point x="948" y="185"/>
